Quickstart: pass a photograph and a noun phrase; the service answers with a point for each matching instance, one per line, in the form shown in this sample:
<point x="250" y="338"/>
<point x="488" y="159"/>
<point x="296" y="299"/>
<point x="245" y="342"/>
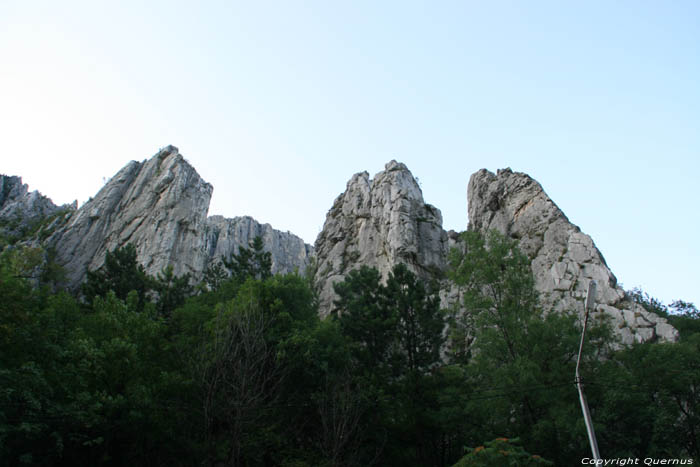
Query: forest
<point x="240" y="370"/>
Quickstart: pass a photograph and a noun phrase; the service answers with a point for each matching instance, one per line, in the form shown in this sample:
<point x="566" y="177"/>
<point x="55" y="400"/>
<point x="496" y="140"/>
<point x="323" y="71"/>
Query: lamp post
<point x="590" y="305"/>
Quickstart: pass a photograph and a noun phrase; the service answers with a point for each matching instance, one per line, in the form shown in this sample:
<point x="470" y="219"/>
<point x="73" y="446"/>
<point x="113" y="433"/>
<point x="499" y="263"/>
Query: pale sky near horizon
<point x="278" y="103"/>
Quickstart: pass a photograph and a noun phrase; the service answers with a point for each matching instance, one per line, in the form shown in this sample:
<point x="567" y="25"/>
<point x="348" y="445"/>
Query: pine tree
<point x="250" y="262"/>
<point x="121" y="274"/>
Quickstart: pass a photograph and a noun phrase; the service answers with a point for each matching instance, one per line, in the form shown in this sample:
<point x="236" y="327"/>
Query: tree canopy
<point x="144" y="370"/>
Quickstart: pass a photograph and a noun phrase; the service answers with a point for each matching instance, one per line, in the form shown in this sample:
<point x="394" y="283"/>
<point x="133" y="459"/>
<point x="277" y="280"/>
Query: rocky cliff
<point x="160" y="206"/>
<point x="224" y="236"/>
<point x="21" y="210"/>
<point x="379" y="222"/>
<point x="564" y="259"/>
<point x="384" y="221"/>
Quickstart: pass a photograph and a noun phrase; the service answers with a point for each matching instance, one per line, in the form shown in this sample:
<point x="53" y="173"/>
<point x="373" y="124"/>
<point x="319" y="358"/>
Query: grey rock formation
<point x="563" y="258"/>
<point x="225" y="236"/>
<point x="379" y="222"/>
<point x="160" y="206"/>
<point x="20" y="208"/>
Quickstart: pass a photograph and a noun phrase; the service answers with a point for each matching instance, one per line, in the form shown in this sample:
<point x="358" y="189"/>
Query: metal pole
<point x="590" y="304"/>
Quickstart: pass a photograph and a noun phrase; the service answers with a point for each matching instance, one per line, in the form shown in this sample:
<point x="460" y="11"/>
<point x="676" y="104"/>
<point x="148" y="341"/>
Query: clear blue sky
<point x="277" y="104"/>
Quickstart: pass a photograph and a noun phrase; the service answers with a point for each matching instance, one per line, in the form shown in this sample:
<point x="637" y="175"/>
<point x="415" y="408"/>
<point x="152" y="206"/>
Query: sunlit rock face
<point x="379" y="222"/>
<point x="383" y="221"/>
<point x="160" y="206"/>
<point x="564" y="259"/>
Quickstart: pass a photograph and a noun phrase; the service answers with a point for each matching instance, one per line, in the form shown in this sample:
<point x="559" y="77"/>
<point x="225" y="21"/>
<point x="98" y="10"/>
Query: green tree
<point x="498" y="289"/>
<point x="365" y="319"/>
<point x="172" y="291"/>
<point x="214" y="276"/>
<point x="419" y="321"/>
<point x="649" y="402"/>
<point x="683" y="315"/>
<point x="500" y="452"/>
<point x="521" y="360"/>
<point x="250" y="262"/>
<point x="121" y="273"/>
<point x="395" y="334"/>
<point x="239" y="379"/>
<point x="395" y="327"/>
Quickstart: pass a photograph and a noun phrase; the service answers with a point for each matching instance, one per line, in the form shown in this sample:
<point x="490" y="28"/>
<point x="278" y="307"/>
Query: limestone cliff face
<point x="224" y="237"/>
<point x="564" y="259"/>
<point x="379" y="222"/>
<point x="160" y="206"/>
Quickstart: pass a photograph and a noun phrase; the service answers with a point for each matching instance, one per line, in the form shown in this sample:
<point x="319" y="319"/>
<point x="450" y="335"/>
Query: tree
<point x="341" y="408"/>
<point x="522" y="359"/>
<point x="121" y="273"/>
<point x="500" y="452"/>
<point x="420" y="323"/>
<point x="497" y="285"/>
<point x="684" y="316"/>
<point x="395" y="333"/>
<point x="214" y="276"/>
<point x="364" y="317"/>
<point x="253" y="262"/>
<point x="172" y="291"/>
<point x="395" y="327"/>
<point x="239" y="377"/>
<point x="649" y="396"/>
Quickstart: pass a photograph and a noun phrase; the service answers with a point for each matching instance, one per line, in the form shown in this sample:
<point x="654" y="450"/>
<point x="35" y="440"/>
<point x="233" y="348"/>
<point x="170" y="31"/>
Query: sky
<point x="278" y="103"/>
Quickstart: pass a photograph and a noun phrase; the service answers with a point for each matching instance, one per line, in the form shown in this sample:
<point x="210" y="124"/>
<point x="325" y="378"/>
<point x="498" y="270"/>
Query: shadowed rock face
<point x="379" y="222"/>
<point x="160" y="206"/>
<point x="225" y="236"/>
<point x="563" y="258"/>
<point x="21" y="207"/>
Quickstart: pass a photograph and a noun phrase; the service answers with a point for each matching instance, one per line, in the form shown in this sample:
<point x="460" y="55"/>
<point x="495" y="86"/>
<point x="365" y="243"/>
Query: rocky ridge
<point x="379" y="222"/>
<point x="564" y="259"/>
<point x="20" y="209"/>
<point x="160" y="206"/>
<point x="384" y="221"/>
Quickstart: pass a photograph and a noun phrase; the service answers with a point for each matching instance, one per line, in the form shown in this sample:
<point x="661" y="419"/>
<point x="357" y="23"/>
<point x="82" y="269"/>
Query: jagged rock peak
<point x="378" y="222"/>
<point x="160" y="206"/>
<point x="21" y="209"/>
<point x="11" y="189"/>
<point x="564" y="259"/>
<point x="17" y="201"/>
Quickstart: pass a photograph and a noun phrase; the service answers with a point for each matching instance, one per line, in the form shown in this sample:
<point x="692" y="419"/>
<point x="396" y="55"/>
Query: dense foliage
<point x="240" y="370"/>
